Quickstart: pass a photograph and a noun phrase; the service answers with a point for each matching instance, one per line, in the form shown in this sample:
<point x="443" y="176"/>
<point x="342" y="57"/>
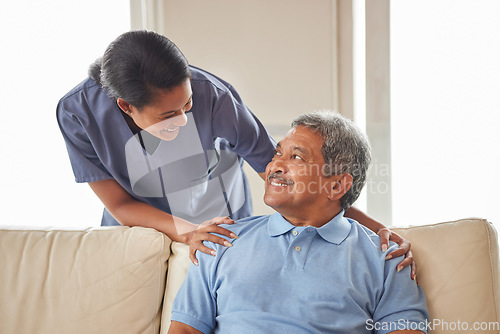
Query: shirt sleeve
<point x="195" y="303"/>
<point x="84" y="160"/>
<point x="402" y="303"/>
<point x="247" y="136"/>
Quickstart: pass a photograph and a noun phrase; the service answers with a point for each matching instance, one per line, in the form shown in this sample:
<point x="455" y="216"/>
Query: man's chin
<point x="274" y="201"/>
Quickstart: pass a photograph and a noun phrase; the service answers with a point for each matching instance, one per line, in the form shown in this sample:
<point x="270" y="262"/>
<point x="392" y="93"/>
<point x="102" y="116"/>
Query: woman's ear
<point x="341" y="186"/>
<point x="124" y="105"/>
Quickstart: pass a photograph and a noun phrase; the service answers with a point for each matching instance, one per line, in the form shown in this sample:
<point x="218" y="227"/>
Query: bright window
<point x="445" y="110"/>
<point x="47" y="47"/>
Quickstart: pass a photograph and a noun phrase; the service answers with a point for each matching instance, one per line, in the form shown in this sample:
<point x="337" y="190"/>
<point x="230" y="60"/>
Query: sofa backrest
<point x="458" y="269"/>
<point x="112" y="280"/>
<point x="109" y="280"/>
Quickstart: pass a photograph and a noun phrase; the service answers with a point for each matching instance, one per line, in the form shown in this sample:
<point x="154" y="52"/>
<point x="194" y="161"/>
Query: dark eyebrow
<point x="174" y="111"/>
<point x="301" y="149"/>
<point x="296" y="148"/>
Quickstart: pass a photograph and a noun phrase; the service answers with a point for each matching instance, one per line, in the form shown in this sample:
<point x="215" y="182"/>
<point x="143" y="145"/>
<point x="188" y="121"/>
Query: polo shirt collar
<point x="335" y="231"/>
<point x="277" y="225"/>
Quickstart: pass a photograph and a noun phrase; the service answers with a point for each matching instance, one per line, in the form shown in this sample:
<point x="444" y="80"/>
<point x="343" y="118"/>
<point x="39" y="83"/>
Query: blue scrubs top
<point x="197" y="176"/>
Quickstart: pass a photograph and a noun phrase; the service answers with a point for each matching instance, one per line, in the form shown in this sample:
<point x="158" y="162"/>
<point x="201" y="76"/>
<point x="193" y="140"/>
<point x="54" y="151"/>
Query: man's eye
<point x="277" y="153"/>
<point x="295" y="156"/>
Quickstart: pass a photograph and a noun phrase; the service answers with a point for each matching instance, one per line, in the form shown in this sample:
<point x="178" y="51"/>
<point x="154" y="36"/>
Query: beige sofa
<point x="123" y="280"/>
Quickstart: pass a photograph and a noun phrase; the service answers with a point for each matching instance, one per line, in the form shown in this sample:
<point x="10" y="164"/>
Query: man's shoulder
<point x="246" y="229"/>
<point x="369" y="239"/>
<point x="246" y="225"/>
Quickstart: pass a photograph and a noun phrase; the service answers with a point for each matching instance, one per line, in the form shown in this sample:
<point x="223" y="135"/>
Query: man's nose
<point x="277" y="165"/>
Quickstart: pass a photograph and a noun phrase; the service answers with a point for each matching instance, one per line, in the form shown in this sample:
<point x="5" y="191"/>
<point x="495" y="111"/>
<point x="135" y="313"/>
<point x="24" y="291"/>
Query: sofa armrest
<point x="98" y="280"/>
<point x="458" y="269"/>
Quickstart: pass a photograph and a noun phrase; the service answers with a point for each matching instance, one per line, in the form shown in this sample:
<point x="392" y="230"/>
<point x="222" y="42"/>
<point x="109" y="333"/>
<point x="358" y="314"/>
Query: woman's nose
<point x="180" y="120"/>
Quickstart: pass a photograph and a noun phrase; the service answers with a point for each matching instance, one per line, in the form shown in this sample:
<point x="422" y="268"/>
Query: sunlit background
<point x="445" y="107"/>
<point x="46" y="48"/>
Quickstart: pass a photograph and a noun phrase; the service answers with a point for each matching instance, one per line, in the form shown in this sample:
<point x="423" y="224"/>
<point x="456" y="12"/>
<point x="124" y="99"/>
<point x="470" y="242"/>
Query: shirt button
<point x="295" y="232"/>
<point x="297" y="249"/>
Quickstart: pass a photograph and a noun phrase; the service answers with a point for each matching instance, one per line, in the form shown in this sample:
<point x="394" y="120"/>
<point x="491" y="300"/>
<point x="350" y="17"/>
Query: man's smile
<point x="275" y="180"/>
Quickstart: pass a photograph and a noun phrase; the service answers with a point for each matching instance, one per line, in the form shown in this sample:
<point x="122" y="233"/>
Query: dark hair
<point x="345" y="149"/>
<point x="139" y="63"/>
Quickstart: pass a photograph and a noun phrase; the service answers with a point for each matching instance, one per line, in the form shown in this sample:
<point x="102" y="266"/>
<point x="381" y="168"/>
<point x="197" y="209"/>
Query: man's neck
<point x="317" y="219"/>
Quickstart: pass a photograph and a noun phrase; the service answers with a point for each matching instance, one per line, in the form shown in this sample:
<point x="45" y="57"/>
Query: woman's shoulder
<point x="85" y="99"/>
<point x="89" y="86"/>
<point x="200" y="77"/>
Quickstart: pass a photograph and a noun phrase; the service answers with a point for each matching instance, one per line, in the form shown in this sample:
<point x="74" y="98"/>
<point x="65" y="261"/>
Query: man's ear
<point x="341" y="186"/>
<point x="124" y="105"/>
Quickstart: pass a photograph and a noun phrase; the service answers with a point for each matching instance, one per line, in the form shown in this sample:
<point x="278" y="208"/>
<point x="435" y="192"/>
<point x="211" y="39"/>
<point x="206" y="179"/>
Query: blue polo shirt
<point x="196" y="176"/>
<point x="278" y="278"/>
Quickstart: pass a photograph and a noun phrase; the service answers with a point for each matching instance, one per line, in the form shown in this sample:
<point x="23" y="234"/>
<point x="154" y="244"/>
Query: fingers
<point x="226" y="220"/>
<point x="192" y="256"/>
<point x="384" y="235"/>
<point x="404" y="248"/>
<point x="217" y="221"/>
<point x="199" y="246"/>
<point x="394" y="237"/>
<point x="405" y="263"/>
<point x="413" y="274"/>
<point x="395" y="253"/>
<point x="408" y="261"/>
<point x="210" y="237"/>
<point x="206" y="232"/>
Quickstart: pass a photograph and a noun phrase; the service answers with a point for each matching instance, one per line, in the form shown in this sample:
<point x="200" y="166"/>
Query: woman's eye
<point x="169" y="116"/>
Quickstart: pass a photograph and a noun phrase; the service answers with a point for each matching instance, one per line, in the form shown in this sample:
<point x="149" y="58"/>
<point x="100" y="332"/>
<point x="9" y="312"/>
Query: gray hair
<point x="345" y="149"/>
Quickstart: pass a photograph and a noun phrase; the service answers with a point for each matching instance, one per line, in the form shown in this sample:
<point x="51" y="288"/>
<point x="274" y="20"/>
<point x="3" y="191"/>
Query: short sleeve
<point x="195" y="303"/>
<point x="402" y="304"/>
<point x="84" y="160"/>
<point x="247" y="136"/>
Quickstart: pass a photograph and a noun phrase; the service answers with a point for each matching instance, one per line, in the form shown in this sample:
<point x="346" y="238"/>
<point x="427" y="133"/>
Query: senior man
<point x="305" y="268"/>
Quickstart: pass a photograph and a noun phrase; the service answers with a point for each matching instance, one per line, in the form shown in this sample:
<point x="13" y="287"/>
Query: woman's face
<point x="166" y="114"/>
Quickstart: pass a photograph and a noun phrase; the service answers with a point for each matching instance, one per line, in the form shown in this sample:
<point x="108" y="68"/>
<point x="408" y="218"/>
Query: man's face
<point x="294" y="180"/>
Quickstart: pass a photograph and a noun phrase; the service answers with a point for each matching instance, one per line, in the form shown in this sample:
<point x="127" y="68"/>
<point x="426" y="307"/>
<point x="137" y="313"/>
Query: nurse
<point x="162" y="143"/>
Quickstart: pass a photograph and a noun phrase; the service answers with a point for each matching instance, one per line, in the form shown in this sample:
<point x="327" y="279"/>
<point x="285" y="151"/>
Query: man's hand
<point x="404" y="248"/>
<point x="204" y="232"/>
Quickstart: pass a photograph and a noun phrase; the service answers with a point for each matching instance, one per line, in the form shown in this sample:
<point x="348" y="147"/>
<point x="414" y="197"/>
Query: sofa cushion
<point x="458" y="269"/>
<point x="99" y="280"/>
